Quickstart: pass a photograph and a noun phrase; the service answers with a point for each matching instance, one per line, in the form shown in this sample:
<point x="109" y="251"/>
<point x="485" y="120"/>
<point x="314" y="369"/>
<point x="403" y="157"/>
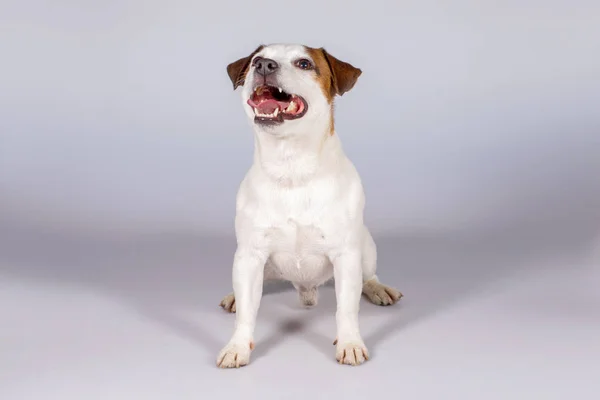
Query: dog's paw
<point x="308" y="297"/>
<point x="380" y="294"/>
<point x="235" y="355"/>
<point x="352" y="352"/>
<point x="228" y="303"/>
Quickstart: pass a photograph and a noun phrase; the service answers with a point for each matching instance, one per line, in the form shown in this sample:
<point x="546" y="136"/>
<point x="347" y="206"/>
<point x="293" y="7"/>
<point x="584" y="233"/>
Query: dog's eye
<point x="304" y="64"/>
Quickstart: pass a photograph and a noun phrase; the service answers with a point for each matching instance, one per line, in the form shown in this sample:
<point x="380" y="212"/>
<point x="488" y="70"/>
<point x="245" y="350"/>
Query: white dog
<point x="299" y="211"/>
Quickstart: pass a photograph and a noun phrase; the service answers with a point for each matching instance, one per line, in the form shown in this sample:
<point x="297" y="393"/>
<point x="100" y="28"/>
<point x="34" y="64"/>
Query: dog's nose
<point x="266" y="66"/>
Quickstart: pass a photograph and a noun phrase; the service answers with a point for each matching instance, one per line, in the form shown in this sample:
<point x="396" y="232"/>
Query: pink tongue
<point x="265" y="106"/>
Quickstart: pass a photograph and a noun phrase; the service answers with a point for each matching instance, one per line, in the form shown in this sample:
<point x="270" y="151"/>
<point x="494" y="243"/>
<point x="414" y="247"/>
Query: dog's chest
<point x="301" y="231"/>
<point x="299" y="252"/>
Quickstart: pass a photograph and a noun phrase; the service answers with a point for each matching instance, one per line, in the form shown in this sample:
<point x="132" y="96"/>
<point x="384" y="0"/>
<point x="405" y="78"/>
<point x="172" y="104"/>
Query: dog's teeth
<point x="280" y="90"/>
<point x="291" y="107"/>
<point x="276" y="112"/>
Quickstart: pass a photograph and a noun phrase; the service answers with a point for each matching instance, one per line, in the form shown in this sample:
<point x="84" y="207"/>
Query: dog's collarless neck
<point x="296" y="159"/>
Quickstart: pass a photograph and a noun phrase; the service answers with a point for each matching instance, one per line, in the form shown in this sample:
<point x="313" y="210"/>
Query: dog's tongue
<point x="265" y="106"/>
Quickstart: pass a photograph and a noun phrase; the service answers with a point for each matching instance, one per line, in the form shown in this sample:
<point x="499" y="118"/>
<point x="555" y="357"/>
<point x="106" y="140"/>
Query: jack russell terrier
<point x="299" y="209"/>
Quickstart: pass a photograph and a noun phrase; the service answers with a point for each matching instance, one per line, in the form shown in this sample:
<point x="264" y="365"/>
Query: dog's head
<point x="287" y="86"/>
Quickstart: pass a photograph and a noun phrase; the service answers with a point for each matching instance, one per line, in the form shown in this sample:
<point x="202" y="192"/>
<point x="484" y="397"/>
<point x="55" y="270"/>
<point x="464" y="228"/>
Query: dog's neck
<point x="296" y="157"/>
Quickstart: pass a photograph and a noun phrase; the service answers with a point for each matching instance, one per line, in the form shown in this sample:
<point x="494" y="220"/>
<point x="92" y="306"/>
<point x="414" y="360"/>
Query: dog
<point x="299" y="209"/>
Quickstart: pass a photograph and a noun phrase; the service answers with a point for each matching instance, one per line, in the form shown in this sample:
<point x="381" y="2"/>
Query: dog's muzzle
<point x="272" y="104"/>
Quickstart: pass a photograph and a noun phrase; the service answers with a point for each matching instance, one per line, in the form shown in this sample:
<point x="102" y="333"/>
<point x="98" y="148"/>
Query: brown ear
<point x="343" y="75"/>
<point x="237" y="70"/>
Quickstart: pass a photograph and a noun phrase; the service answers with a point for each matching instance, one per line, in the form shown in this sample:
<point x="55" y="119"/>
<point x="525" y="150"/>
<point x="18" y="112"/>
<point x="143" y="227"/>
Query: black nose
<point x="266" y="66"/>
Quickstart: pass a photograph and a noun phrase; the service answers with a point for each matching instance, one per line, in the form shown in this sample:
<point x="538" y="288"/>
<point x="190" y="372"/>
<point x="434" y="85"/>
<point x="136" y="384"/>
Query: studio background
<point x="474" y="126"/>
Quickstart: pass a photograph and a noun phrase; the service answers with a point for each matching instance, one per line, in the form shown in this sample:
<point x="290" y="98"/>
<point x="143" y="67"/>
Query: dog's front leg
<point x="347" y="271"/>
<point x="248" y="270"/>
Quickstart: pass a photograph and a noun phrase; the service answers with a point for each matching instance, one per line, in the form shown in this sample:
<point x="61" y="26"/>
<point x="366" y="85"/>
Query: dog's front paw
<point x="351" y="352"/>
<point x="235" y="355"/>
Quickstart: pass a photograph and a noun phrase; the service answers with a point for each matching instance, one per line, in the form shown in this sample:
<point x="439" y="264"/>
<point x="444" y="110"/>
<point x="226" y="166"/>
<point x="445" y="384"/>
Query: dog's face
<point x="286" y="86"/>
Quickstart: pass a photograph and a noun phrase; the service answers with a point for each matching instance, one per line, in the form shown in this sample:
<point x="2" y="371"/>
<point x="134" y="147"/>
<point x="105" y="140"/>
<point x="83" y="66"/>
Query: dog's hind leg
<point x="228" y="302"/>
<point x="375" y="291"/>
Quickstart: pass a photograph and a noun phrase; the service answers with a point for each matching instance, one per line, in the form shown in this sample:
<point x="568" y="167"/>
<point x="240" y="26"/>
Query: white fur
<point x="299" y="217"/>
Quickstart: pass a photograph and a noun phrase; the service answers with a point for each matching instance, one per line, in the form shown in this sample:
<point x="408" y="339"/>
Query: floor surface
<point x="505" y="315"/>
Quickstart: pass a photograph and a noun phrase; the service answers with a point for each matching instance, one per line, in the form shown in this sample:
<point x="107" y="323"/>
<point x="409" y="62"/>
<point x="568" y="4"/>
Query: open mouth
<point x="272" y="104"/>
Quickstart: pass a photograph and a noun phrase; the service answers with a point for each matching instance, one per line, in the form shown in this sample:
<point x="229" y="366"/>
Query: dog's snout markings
<point x="299" y="209"/>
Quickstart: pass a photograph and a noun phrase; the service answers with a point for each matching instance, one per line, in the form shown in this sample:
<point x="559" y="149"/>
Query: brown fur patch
<point x="238" y="69"/>
<point x="335" y="77"/>
<point x="323" y="72"/>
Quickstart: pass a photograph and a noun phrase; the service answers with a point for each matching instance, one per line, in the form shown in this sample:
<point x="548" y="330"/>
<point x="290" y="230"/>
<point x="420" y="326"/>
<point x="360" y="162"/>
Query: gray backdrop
<point x="122" y="146"/>
<point x="120" y="113"/>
